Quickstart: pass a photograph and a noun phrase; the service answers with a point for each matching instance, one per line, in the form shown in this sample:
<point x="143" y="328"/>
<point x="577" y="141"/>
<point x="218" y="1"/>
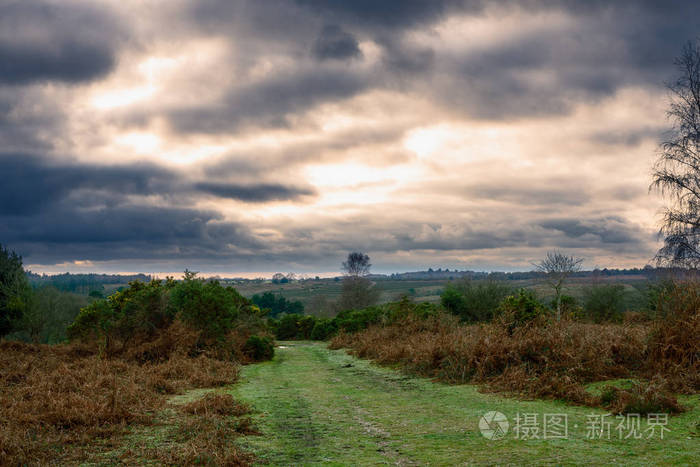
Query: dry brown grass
<point x="543" y="359"/>
<point x="217" y="404"/>
<point x="674" y="344"/>
<point x="642" y="398"/>
<point x="56" y="401"/>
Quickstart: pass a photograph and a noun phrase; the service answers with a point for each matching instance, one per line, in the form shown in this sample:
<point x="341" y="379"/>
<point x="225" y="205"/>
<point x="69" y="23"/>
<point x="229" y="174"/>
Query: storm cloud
<point x="280" y="134"/>
<point x="45" y="41"/>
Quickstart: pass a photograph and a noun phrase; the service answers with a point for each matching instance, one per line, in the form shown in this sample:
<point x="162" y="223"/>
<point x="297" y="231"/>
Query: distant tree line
<point x="83" y="283"/>
<point x="275" y="305"/>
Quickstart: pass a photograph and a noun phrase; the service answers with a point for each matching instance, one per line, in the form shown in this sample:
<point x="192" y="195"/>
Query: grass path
<point x="317" y="406"/>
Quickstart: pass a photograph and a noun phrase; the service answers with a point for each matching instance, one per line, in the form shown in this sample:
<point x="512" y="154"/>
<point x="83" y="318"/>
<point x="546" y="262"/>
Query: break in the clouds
<point x="238" y="136"/>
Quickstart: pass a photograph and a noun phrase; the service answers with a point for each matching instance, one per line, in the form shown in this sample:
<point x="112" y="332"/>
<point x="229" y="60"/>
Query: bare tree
<point x="357" y="264"/>
<point x="557" y="267"/>
<point x="677" y="171"/>
<point x="357" y="290"/>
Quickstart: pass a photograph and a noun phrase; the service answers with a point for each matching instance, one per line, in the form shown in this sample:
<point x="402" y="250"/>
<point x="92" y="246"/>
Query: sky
<point x="250" y="137"/>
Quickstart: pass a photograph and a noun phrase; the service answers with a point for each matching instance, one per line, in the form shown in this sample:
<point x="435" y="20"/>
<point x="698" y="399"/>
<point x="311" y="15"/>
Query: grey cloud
<point x="608" y="230"/>
<point x="335" y="43"/>
<point x="259" y="192"/>
<point x="528" y="195"/>
<point x="33" y="184"/>
<point x="271" y="101"/>
<point x="387" y="13"/>
<point x="42" y="41"/>
<point x="123" y="232"/>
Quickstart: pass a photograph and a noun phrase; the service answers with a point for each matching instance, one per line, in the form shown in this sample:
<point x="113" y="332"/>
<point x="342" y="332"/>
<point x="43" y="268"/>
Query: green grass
<point x="317" y="406"/>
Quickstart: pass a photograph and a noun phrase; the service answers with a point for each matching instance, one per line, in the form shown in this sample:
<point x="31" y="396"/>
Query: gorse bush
<point x="520" y="309"/>
<point x="136" y="312"/>
<point x="259" y="348"/>
<point x="323" y="329"/>
<point x="145" y="316"/>
<point x="474" y="301"/>
<point x="208" y="306"/>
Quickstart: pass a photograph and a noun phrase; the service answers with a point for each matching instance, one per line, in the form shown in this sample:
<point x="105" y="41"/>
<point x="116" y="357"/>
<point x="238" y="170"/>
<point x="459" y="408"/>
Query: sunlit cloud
<point x="225" y="136"/>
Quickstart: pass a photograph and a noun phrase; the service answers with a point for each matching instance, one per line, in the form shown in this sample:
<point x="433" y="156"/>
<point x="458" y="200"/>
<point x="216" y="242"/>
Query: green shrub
<point x="474" y="301"/>
<point x="356" y="320"/>
<point x="137" y="311"/>
<point x="277" y="305"/>
<point x="323" y="329"/>
<point x="259" y="348"/>
<point x="604" y="303"/>
<point x="208" y="306"/>
<point x="520" y="309"/>
<point x="294" y="326"/>
<point x="140" y="313"/>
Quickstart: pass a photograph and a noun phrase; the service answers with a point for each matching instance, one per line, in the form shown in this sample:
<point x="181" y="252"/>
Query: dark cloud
<point x="386" y="13"/>
<point x="259" y="192"/>
<point x="123" y="232"/>
<point x="606" y="230"/>
<point x="334" y="43"/>
<point x="270" y="102"/>
<point x="33" y="184"/>
<point x="42" y="41"/>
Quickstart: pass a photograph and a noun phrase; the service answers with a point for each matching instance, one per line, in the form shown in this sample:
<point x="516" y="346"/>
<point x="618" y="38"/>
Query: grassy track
<point x="317" y="406"/>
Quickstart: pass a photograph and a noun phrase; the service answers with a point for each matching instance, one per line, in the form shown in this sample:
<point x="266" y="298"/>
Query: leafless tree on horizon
<point x="557" y="267"/>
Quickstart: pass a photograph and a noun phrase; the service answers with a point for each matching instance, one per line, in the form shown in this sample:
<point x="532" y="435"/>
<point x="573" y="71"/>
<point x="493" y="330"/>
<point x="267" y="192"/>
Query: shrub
<point x="287" y="327"/>
<point x="151" y="321"/>
<point x="474" y="301"/>
<point x="136" y="312"/>
<point x="208" y="306"/>
<point x="323" y="329"/>
<point x="356" y="320"/>
<point x="520" y="309"/>
<point x="604" y="303"/>
<point x="277" y="305"/>
<point x="259" y="348"/>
